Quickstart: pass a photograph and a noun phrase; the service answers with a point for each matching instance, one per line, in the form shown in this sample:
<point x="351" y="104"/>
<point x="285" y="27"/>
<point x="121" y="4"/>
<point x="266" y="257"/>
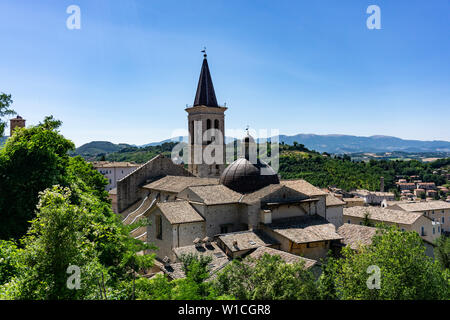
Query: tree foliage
<point x="442" y="251"/>
<point x="405" y="271"/>
<point x="5" y="110"/>
<point x="266" y="278"/>
<point x="32" y="160"/>
<point x="195" y="286"/>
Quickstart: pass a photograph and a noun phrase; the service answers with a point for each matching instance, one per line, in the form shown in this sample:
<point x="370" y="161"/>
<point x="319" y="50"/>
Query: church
<point x="224" y="211"/>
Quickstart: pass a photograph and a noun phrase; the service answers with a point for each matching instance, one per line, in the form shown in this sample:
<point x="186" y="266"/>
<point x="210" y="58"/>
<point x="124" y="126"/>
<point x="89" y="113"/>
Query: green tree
<point x="5" y="102"/>
<point x="10" y="264"/>
<point x="406" y="272"/>
<point x="69" y="230"/>
<point x="56" y="240"/>
<point x="267" y="278"/>
<point x="195" y="285"/>
<point x="442" y="251"/>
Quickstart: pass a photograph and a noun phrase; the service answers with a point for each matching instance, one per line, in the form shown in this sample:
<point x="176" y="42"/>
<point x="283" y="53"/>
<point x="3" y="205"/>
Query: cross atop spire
<point x="205" y="95"/>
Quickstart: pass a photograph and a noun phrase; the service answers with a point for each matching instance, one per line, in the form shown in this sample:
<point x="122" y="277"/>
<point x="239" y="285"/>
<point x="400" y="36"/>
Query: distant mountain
<point x="99" y="147"/>
<point x="332" y="143"/>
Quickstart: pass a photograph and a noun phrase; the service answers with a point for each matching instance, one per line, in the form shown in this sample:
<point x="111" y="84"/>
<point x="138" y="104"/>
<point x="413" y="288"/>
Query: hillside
<point x="336" y="144"/>
<point x="340" y="144"/>
<point x="99" y="147"/>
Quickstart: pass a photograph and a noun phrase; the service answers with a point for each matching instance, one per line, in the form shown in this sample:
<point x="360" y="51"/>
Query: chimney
<point x="382" y="184"/>
<point x="16" y="122"/>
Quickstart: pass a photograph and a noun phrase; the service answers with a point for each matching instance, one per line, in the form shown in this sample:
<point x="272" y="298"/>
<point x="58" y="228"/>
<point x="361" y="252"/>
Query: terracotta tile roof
<point x="216" y="194"/>
<point x="246" y="240"/>
<point x="304" y="187"/>
<point x="179" y="212"/>
<point x="176" y="184"/>
<point x="333" y="201"/>
<point x="424" y="206"/>
<point x="305" y="229"/>
<point x="285" y="256"/>
<point x="382" y="214"/>
<point x="355" y="235"/>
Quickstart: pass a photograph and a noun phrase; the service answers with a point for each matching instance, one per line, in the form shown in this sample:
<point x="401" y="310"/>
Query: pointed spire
<point x="205" y="90"/>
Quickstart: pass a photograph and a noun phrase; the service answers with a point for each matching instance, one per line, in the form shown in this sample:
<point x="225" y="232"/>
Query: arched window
<point x="216" y="124"/>
<point x="208" y="124"/>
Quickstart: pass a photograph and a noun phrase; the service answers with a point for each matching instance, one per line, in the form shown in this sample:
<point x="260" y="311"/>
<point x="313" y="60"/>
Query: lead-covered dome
<point x="244" y="177"/>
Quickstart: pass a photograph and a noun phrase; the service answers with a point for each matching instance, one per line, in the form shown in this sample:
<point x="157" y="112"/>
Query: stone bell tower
<point x="17" y="122"/>
<point x="206" y="123"/>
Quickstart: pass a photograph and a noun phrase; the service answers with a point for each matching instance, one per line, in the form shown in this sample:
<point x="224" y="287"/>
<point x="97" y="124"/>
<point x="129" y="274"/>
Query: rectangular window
<point x="223" y="229"/>
<point x="159" y="227"/>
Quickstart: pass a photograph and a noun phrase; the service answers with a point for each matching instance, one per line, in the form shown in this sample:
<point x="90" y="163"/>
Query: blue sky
<point x="297" y="66"/>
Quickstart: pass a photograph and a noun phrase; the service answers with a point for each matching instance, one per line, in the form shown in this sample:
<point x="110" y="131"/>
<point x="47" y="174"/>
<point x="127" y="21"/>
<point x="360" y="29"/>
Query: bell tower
<point x="206" y="123"/>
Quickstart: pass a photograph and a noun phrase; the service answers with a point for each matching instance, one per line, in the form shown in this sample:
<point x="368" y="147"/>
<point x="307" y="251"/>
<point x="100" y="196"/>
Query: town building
<point x="405" y="221"/>
<point x="374" y="198"/>
<point x="353" y="202"/>
<point x="436" y="210"/>
<point x="406" y="185"/>
<point x="114" y="171"/>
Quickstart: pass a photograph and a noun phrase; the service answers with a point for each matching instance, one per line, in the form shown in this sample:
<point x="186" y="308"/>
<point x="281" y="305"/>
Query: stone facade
<point x="203" y="140"/>
<point x="129" y="188"/>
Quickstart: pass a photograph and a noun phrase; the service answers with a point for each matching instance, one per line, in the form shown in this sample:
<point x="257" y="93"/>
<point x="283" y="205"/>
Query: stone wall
<point x="165" y="244"/>
<point x="335" y="215"/>
<point x="128" y="188"/>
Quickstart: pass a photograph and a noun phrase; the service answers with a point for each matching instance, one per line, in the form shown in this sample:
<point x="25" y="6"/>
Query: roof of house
<point x="382" y="214"/>
<point x="246" y="240"/>
<point x="175" y="270"/>
<point x="304" y="187"/>
<point x="216" y="194"/>
<point x="211" y="250"/>
<point x="113" y="191"/>
<point x="179" y="212"/>
<point x="305" y="229"/>
<point x="355" y="235"/>
<point x="108" y="164"/>
<point x="364" y="192"/>
<point x="176" y="184"/>
<point x="354" y="199"/>
<point x="285" y="256"/>
<point x="261" y="193"/>
<point x="424" y="205"/>
<point x="333" y="201"/>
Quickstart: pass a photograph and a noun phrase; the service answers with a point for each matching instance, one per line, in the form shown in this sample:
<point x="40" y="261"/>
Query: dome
<point x="244" y="177"/>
